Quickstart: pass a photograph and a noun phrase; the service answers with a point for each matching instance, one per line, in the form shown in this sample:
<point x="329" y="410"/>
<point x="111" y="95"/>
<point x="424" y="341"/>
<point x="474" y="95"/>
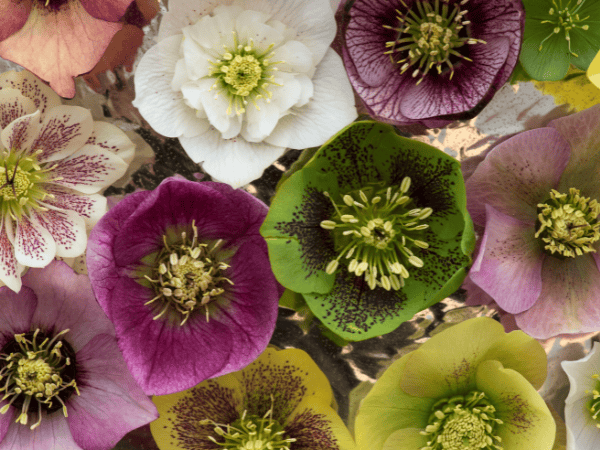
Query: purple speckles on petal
<point x="9" y="268"/>
<point x="20" y="133"/>
<point x="13" y="105"/>
<point x="34" y="246"/>
<point x="68" y="231"/>
<point x="90" y="207"/>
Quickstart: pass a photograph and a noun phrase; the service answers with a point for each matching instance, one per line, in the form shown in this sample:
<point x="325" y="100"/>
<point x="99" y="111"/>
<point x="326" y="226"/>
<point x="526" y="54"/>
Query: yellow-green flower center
<point x="594" y="403"/>
<point x="463" y="423"/>
<point x="376" y="231"/>
<point x="187" y="276"/>
<point x="568" y="223"/>
<point x="428" y="35"/>
<point x="565" y="18"/>
<point x="37" y="373"/>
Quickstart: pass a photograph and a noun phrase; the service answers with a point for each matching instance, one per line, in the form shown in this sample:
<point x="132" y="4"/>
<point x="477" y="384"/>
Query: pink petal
<point x="109" y="10"/>
<point x="90" y="207"/>
<point x="70" y="304"/>
<point x="568" y="303"/>
<point x="64" y="131"/>
<point x="67" y="229"/>
<point x="14" y="15"/>
<point x="111" y="138"/>
<point x="13" y="105"/>
<point x="111" y="404"/>
<point x="20" y="133"/>
<point x="52" y="434"/>
<point x="58" y="46"/>
<point x="34" y="246"/>
<point x="88" y="170"/>
<point x="10" y="269"/>
<point x="509" y="264"/>
<point x="16" y="312"/>
<point x="44" y="98"/>
<point x="517" y="175"/>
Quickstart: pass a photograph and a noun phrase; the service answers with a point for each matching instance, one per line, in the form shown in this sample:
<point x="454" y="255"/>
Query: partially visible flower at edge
<point x="57" y="344"/>
<point x="184" y="275"/>
<point x="54" y="160"/>
<point x="409" y="68"/>
<point x="593" y="71"/>
<point x="469" y="387"/>
<point x="59" y="39"/>
<point x="282" y="393"/>
<point x="263" y="79"/>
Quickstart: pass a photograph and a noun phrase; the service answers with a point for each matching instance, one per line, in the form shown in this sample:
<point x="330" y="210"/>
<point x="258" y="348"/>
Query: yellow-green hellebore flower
<point x="281" y="401"/>
<point x="593" y="71"/>
<point x="470" y="387"/>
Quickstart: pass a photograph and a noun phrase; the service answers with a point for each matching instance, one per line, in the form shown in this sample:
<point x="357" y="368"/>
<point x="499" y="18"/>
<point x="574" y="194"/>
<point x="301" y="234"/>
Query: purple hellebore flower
<point x="537" y="196"/>
<point x="66" y="385"/>
<point x="184" y="275"/>
<point x="429" y="61"/>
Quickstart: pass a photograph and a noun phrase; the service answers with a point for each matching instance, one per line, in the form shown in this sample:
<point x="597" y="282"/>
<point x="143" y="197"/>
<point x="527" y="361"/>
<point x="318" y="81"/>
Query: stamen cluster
<point x="187" y="276"/>
<point x="37" y="374"/>
<point x="568" y="223"/>
<point x="376" y="231"/>
<point x="463" y="422"/>
<point x="565" y="18"/>
<point x="429" y="35"/>
<point x="594" y="405"/>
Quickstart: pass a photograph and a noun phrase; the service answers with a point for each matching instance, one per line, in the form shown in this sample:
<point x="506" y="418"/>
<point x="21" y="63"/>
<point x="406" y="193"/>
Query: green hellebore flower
<point x="373" y="229"/>
<point x="470" y="387"/>
<point x="559" y="33"/>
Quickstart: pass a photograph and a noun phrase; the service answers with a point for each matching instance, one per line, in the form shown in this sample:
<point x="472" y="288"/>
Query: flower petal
<point x="235" y="161"/>
<point x="13" y="105"/>
<point x="67" y="229"/>
<point x="44" y="98"/>
<point x="183" y="13"/>
<point x="551" y="63"/>
<point x="509" y="265"/>
<point x="14" y="16"/>
<point x="58" y="47"/>
<point x="580" y="374"/>
<point x="518" y="174"/>
<point x="107" y="10"/>
<point x="10" y="268"/>
<point x="34" y="246"/>
<point x="52" y="434"/>
<point x="111" y="138"/>
<point x="410" y="438"/>
<point x="20" y="133"/>
<point x="111" y="404"/>
<point x="330" y="109"/>
<point x="90" y="207"/>
<point x="16" y="312"/>
<point x="163" y="108"/>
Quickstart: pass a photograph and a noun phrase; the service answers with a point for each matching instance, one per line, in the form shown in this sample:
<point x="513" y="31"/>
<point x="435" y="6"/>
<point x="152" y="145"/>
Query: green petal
<point x="537" y="9"/>
<point x="528" y="424"/>
<point x="387" y="408"/>
<point x="585" y="44"/>
<point x="447" y="363"/>
<point x="406" y="439"/>
<point x="552" y="62"/>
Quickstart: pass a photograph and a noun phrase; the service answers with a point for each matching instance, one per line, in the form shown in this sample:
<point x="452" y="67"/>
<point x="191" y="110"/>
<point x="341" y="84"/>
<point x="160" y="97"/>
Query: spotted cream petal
<point x="64" y="131"/>
<point x="34" y="246"/>
<point x="10" y="269"/>
<point x="43" y="97"/>
<point x="112" y="139"/>
<point x="67" y="229"/>
<point x="90" y="207"/>
<point x="13" y="105"/>
<point x="20" y="133"/>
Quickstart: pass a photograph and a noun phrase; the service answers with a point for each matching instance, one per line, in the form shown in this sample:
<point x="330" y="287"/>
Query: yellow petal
<point x="593" y="71"/>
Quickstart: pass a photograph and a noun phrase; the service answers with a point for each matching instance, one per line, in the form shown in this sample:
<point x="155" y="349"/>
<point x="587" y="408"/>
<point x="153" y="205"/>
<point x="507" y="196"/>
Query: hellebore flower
<point x="59" y="39"/>
<point x="559" y="33"/>
<point x="371" y="230"/>
<point x="429" y="61"/>
<point x="280" y="401"/>
<point x="238" y="82"/>
<point x="184" y="275"/>
<point x="469" y="387"/>
<point x="537" y="196"/>
<point x="593" y="71"/>
<point x="64" y="381"/>
<point x="53" y="161"/>
<point x="582" y="406"/>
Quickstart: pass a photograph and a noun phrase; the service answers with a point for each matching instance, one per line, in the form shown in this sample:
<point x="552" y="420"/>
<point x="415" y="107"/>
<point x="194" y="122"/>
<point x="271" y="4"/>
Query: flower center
<point x="251" y="432"/>
<point x="568" y="223"/>
<point x="38" y="373"/>
<point x="376" y="231"/>
<point x="594" y="402"/>
<point x="244" y="74"/>
<point x="462" y="423"/>
<point x="428" y="35"/>
<point x="565" y="19"/>
<point x="187" y="276"/>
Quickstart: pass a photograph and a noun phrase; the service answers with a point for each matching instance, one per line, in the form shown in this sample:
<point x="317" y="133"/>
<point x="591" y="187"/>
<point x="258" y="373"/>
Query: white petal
<point x="288" y="94"/>
<point x="44" y="98"/>
<point x="192" y="94"/>
<point x="217" y="108"/>
<point x="260" y="34"/>
<point x="110" y="137"/>
<point x="211" y="33"/>
<point x="183" y="13"/>
<point x="196" y="61"/>
<point x="90" y="207"/>
<point x="10" y="269"/>
<point x="14" y="105"/>
<point x="181" y="75"/>
<point x="232" y="161"/>
<point x="307" y="90"/>
<point x="296" y="57"/>
<point x="20" y="133"/>
<point x="67" y="229"/>
<point x="260" y="123"/>
<point x="330" y="109"/>
<point x="64" y="130"/>
<point x="163" y="108"/>
<point x="34" y="246"/>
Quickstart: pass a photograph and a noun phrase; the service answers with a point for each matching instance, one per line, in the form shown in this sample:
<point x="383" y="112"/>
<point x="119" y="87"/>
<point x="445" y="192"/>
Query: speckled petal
<point x="52" y="434"/>
<point x="20" y="133"/>
<point x="44" y="98"/>
<point x="10" y="268"/>
<point x="110" y="138"/>
<point x="13" y="105"/>
<point x="34" y="246"/>
<point x="90" y="207"/>
<point x="67" y="229"/>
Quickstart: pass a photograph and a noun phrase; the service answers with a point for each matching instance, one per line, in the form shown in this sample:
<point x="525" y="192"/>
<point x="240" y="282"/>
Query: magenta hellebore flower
<point x="184" y="275"/>
<point x="537" y="196"/>
<point x="65" y="383"/>
<point x="429" y="61"/>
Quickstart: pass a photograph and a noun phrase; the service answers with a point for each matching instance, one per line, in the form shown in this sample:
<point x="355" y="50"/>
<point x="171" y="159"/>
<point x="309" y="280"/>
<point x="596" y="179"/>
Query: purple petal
<point x="67" y="229"/>
<point x="65" y="300"/>
<point x="517" y="175"/>
<point x="52" y="434"/>
<point x="509" y="264"/>
<point x="16" y="312"/>
<point x="13" y="105"/>
<point x="111" y="404"/>
<point x="568" y="303"/>
<point x="20" y="133"/>
<point x="10" y="269"/>
<point x="90" y="207"/>
<point x="34" y="246"/>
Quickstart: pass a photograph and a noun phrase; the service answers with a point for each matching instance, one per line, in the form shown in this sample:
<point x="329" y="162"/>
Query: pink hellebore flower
<point x="537" y="196"/>
<point x="59" y="39"/>
<point x="65" y="383"/>
<point x="54" y="160"/>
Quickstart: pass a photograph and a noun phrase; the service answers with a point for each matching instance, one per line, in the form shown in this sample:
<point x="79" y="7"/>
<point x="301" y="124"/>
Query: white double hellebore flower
<point x="54" y="159"/>
<point x="240" y="81"/>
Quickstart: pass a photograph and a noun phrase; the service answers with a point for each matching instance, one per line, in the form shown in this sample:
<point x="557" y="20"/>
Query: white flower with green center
<point x="54" y="160"/>
<point x="238" y="82"/>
